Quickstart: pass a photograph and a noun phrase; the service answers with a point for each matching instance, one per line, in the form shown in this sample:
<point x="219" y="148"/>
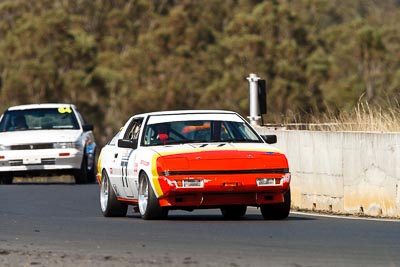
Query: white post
<point x="254" y="107"/>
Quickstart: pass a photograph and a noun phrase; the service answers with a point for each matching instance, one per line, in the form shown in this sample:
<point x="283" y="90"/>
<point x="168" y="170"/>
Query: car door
<point x="126" y="159"/>
<point x="111" y="156"/>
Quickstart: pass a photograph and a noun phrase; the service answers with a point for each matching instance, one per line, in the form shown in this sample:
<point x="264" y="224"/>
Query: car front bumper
<point x="37" y="160"/>
<point x="222" y="190"/>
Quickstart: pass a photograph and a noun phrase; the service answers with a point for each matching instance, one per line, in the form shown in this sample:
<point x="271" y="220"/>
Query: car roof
<point x="181" y="112"/>
<point x="43" y="105"/>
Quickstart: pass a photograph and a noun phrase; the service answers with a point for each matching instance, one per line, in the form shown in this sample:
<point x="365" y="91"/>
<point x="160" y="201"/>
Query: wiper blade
<point x="176" y="142"/>
<point x="188" y="141"/>
<point x="241" y="140"/>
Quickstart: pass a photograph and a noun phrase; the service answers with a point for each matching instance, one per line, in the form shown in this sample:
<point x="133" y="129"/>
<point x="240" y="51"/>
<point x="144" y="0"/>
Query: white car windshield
<point x="39" y="119"/>
<point x="197" y="131"/>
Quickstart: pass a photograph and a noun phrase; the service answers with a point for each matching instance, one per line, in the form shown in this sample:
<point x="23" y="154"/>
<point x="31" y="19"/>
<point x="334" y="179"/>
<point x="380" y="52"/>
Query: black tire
<point x="278" y="211"/>
<point x="91" y="174"/>
<point x="149" y="207"/>
<point x="233" y="212"/>
<point x="6" y="178"/>
<point x="93" y="171"/>
<point x="81" y="175"/>
<point x="110" y="206"/>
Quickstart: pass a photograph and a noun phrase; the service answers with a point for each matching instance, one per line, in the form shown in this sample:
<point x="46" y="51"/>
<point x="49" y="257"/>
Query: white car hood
<point x="38" y="136"/>
<point x="214" y="146"/>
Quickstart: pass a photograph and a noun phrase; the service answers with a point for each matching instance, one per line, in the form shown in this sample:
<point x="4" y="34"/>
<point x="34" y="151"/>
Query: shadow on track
<point x="218" y="217"/>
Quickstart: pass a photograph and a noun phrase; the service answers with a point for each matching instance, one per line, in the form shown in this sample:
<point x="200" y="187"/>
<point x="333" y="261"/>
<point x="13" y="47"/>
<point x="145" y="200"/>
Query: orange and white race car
<point x="190" y="160"/>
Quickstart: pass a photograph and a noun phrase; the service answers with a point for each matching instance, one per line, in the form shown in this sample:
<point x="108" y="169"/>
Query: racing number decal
<point x="124" y="173"/>
<point x="64" y="110"/>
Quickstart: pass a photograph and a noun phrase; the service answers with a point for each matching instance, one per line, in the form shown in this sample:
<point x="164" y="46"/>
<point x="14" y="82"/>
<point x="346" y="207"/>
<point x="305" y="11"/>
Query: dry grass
<point x="365" y="118"/>
<point x="362" y="118"/>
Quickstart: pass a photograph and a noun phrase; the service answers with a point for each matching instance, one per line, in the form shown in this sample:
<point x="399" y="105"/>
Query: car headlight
<point x="4" y="147"/>
<point x="77" y="145"/>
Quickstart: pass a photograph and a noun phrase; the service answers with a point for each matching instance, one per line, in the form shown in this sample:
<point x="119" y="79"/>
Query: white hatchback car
<point x="46" y="139"/>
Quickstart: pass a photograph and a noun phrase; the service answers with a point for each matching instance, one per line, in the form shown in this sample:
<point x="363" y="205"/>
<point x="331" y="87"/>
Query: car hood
<point x="38" y="136"/>
<point x="214" y="146"/>
<point x="221" y="156"/>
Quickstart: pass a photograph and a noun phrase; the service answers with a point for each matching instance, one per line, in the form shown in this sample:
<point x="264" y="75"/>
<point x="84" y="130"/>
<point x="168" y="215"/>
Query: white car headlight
<point x="4" y="147"/>
<point x="76" y="145"/>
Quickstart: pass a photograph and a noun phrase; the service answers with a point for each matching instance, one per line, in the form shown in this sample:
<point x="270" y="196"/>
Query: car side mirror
<point x="270" y="138"/>
<point x="127" y="143"/>
<point x="87" y="127"/>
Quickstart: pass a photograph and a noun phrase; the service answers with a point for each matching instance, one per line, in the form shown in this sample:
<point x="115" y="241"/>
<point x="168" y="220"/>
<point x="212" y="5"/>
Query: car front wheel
<point x="149" y="207"/>
<point x="110" y="206"/>
<point x="91" y="172"/>
<point x="6" y="178"/>
<point x="278" y="211"/>
<point x="233" y="212"/>
<point x="81" y="175"/>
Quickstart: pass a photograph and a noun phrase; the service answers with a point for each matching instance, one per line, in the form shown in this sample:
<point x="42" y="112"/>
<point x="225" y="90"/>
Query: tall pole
<point x="254" y="107"/>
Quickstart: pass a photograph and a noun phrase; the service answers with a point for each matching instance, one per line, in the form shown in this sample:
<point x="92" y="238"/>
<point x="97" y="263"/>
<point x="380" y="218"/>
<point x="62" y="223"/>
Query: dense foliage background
<point x="115" y="58"/>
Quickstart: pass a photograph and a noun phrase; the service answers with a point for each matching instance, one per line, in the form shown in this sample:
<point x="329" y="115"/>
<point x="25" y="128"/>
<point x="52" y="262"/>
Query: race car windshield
<point x="39" y="119"/>
<point x="198" y="131"/>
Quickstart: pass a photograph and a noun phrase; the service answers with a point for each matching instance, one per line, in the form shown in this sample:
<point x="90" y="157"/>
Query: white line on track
<point x="344" y="217"/>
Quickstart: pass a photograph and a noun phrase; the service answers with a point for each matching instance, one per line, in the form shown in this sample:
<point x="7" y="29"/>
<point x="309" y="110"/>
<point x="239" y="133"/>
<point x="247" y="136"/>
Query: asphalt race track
<point x="62" y="225"/>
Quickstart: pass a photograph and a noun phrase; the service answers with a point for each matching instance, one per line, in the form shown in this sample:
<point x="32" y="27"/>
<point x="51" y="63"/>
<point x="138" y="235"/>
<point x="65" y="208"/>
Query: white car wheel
<point x="110" y="206"/>
<point x="149" y="207"/>
<point x="143" y="195"/>
<point x="104" y="194"/>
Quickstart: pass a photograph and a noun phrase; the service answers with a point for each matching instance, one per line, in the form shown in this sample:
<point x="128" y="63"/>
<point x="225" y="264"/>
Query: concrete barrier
<point x="343" y="172"/>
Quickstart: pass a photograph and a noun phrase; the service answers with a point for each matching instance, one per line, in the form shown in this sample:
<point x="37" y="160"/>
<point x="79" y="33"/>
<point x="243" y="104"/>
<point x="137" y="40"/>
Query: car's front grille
<point x="49" y="161"/>
<point x="16" y="162"/>
<point x="45" y="161"/>
<point x="32" y="146"/>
